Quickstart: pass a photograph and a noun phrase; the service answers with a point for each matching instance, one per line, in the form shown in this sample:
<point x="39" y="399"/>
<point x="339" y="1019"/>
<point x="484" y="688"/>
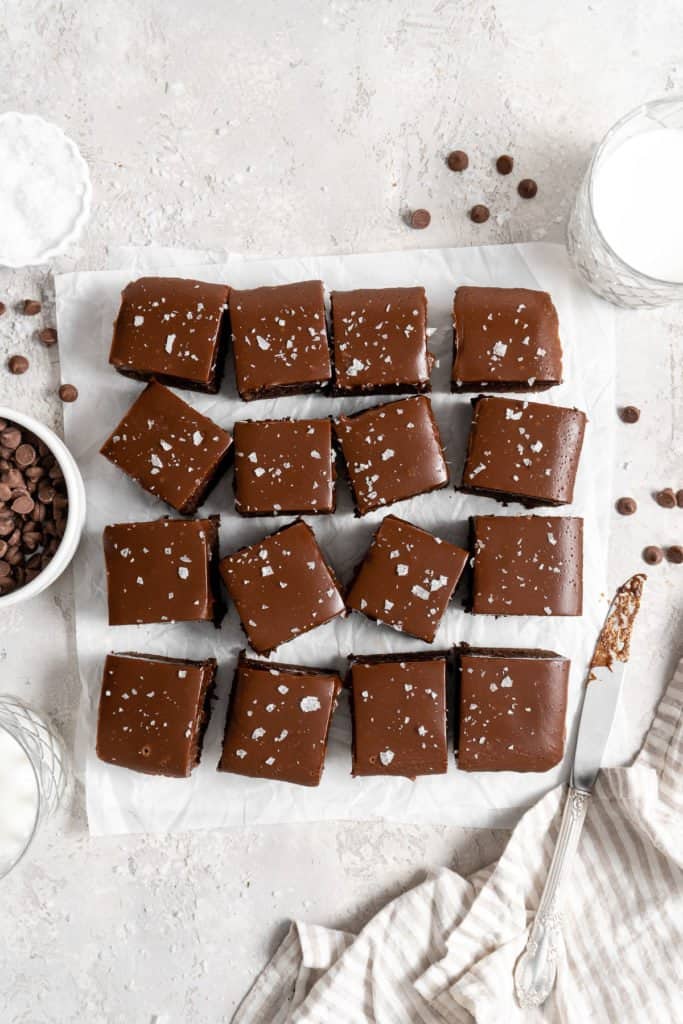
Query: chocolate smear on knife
<point x="615" y="638"/>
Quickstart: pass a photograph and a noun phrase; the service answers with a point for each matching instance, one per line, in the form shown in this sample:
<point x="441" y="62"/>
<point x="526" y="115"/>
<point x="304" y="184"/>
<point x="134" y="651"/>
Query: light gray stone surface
<point x="301" y="126"/>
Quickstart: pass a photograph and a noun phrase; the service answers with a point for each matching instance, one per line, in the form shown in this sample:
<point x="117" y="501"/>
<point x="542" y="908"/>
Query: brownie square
<point x="512" y="710"/>
<point x="380" y="341"/>
<point x="284" y="467"/>
<point x="154" y="712"/>
<point x="170" y="449"/>
<point x="523" y="451"/>
<point x="174" y="330"/>
<point x="278" y="721"/>
<point x="527" y="565"/>
<point x="164" y="571"/>
<point x="399" y="714"/>
<point x="392" y="452"/>
<point x="281" y="587"/>
<point x="505" y="339"/>
<point x="279" y="338"/>
<point x="407" y="578"/>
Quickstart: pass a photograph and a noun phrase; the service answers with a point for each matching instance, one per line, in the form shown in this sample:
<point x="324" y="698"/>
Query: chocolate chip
<point x="679" y="498"/>
<point x="527" y="188"/>
<point x="10" y="438"/>
<point x="46" y="493"/>
<point x="420" y="219"/>
<point x="675" y="554"/>
<point x="5" y="492"/>
<point x="23" y="505"/>
<point x="48" y="336"/>
<point x="68" y="393"/>
<point x="479" y="213"/>
<point x="653" y="555"/>
<point x="30" y="307"/>
<point x="626" y="506"/>
<point x="666" y="498"/>
<point x="458" y="160"/>
<point x="504" y="164"/>
<point x="5" y="567"/>
<point x="629" y="414"/>
<point x="3" y="548"/>
<point x="3" y="308"/>
<point x="25" y="455"/>
<point x="17" y="364"/>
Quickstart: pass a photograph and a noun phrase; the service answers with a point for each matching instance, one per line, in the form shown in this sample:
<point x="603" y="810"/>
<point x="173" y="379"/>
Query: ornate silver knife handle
<point x="537" y="966"/>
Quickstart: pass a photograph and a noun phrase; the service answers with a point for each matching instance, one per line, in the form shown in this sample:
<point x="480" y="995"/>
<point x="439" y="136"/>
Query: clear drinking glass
<point x="603" y="269"/>
<point x="47" y="759"/>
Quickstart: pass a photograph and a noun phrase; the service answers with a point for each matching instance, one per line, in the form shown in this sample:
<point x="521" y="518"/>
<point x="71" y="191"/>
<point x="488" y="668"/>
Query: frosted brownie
<point x="392" y="452"/>
<point x="513" y="705"/>
<point x="380" y="341"/>
<point x="523" y="451"/>
<point x="171" y="450"/>
<point x="527" y="565"/>
<point x="284" y="467"/>
<point x="505" y="339"/>
<point x="279" y="339"/>
<point x="174" y="330"/>
<point x="154" y="712"/>
<point x="163" y="571"/>
<point x="407" y="578"/>
<point x="278" y="721"/>
<point x="398" y="707"/>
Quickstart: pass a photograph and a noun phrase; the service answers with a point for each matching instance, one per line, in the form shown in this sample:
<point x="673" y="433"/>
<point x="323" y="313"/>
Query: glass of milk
<point x="32" y="778"/>
<point x="625" y="234"/>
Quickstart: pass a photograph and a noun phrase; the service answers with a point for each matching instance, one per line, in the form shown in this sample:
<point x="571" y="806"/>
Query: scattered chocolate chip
<point x="17" y="364"/>
<point x="458" y="160"/>
<point x="420" y="219"/>
<point x="3" y="308"/>
<point x="33" y="506"/>
<point x="527" y="188"/>
<point x="679" y="498"/>
<point x="626" y="506"/>
<point x="479" y="213"/>
<point x="30" y="307"/>
<point x="629" y="414"/>
<point x="504" y="164"/>
<point x="675" y="554"/>
<point x="653" y="555"/>
<point x="666" y="498"/>
<point x="68" y="393"/>
<point x="48" y="336"/>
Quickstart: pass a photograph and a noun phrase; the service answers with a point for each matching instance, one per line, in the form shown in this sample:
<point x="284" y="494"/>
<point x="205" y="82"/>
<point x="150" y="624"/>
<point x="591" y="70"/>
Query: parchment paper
<point x="122" y="801"/>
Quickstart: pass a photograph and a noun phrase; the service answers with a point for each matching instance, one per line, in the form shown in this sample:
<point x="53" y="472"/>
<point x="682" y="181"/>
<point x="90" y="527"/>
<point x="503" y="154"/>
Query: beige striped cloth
<point x="445" y="951"/>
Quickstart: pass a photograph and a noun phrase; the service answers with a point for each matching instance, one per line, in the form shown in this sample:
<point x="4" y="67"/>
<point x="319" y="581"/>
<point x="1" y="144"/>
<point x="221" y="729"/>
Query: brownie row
<point x="517" y="451"/>
<point x="177" y="331"/>
<point x="283" y="586"/>
<point x="509" y="707"/>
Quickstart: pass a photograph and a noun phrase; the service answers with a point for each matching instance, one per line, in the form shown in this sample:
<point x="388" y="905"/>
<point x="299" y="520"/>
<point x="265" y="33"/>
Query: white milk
<point x="18" y="800"/>
<point x="638" y="202"/>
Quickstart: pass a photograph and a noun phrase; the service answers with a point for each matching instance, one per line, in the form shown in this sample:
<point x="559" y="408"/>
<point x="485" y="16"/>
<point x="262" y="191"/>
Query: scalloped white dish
<point x="45" y="190"/>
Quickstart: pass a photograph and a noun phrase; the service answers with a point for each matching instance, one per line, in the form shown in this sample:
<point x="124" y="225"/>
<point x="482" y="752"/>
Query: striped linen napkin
<point x="445" y="951"/>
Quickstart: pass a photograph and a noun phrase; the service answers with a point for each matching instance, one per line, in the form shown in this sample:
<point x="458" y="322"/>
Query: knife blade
<point x="536" y="969"/>
<point x="603" y="683"/>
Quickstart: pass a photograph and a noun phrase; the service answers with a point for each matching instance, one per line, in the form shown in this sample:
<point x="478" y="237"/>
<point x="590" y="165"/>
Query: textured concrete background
<point x="301" y="126"/>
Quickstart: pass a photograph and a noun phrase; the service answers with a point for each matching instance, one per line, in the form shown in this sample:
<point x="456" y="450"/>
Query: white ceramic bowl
<point x="76" y="510"/>
<point x="37" y="154"/>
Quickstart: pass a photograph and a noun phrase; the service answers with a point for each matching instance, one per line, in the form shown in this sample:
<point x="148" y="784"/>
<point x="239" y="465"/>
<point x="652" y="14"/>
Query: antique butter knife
<point x="536" y="968"/>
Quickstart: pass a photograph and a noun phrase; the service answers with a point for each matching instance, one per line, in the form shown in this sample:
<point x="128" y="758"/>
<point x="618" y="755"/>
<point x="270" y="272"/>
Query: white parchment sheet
<point x="123" y="801"/>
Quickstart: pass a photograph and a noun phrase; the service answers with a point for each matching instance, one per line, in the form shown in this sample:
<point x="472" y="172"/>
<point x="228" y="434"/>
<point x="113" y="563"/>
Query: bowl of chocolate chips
<point x="42" y="507"/>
